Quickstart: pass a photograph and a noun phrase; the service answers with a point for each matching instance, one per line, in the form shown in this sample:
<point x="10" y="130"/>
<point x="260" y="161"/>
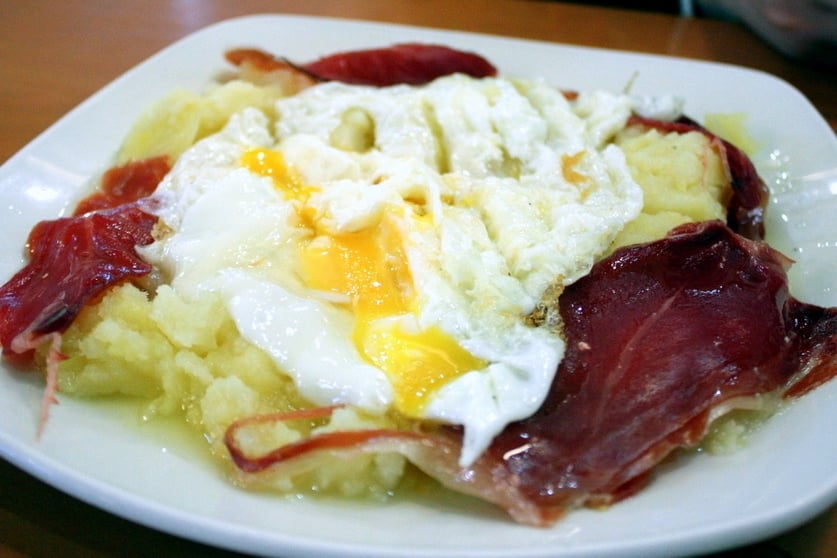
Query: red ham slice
<point x="74" y="260"/>
<point x="658" y="337"/>
<point x="125" y="184"/>
<point x="410" y="63"/>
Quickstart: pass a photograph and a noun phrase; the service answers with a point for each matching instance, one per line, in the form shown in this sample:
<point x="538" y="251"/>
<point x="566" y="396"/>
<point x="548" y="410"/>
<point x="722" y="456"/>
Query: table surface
<point x="55" y="54"/>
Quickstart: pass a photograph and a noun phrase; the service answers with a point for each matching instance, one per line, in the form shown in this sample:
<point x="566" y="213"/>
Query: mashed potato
<point x="188" y="359"/>
<point x="682" y="177"/>
<point x="185" y="355"/>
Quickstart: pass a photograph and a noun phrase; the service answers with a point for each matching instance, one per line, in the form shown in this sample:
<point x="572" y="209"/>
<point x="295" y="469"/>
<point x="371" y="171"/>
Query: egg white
<point x="497" y="189"/>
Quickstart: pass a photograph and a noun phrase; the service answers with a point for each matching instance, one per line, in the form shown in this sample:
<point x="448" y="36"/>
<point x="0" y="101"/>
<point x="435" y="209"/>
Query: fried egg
<point x="385" y="245"/>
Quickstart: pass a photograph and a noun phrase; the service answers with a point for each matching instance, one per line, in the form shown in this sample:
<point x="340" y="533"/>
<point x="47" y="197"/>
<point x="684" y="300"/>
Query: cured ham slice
<point x="74" y="260"/>
<point x="125" y="184"/>
<point x="410" y="63"/>
<point x="661" y="339"/>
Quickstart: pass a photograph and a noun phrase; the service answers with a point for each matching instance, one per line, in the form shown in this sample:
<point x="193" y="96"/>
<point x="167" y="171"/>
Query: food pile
<point x="393" y="260"/>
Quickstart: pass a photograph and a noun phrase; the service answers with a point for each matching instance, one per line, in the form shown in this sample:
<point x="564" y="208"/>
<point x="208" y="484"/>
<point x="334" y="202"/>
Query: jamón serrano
<point x="75" y="259"/>
<point x="659" y="336"/>
<point x="409" y="63"/>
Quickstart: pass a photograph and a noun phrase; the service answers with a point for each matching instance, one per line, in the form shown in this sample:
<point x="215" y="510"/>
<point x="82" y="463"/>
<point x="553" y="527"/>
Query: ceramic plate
<point x="785" y="475"/>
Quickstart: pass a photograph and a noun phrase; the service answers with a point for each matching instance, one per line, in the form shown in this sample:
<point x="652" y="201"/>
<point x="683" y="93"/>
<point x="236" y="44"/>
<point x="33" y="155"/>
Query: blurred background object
<point x="805" y="30"/>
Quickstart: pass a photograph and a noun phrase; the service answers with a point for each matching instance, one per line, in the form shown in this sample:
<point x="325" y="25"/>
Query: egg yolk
<point x="417" y="363"/>
<point x="370" y="269"/>
<point x="368" y="266"/>
<point x="267" y="162"/>
<point x="270" y="163"/>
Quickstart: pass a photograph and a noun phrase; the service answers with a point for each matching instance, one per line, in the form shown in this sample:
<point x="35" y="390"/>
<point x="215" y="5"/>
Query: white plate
<point x="786" y="474"/>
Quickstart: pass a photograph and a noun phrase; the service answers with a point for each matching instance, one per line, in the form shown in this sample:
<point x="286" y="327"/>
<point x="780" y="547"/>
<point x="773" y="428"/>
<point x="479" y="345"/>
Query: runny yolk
<point x="418" y="364"/>
<point x="271" y="163"/>
<point x="267" y="162"/>
<point x="370" y="269"/>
